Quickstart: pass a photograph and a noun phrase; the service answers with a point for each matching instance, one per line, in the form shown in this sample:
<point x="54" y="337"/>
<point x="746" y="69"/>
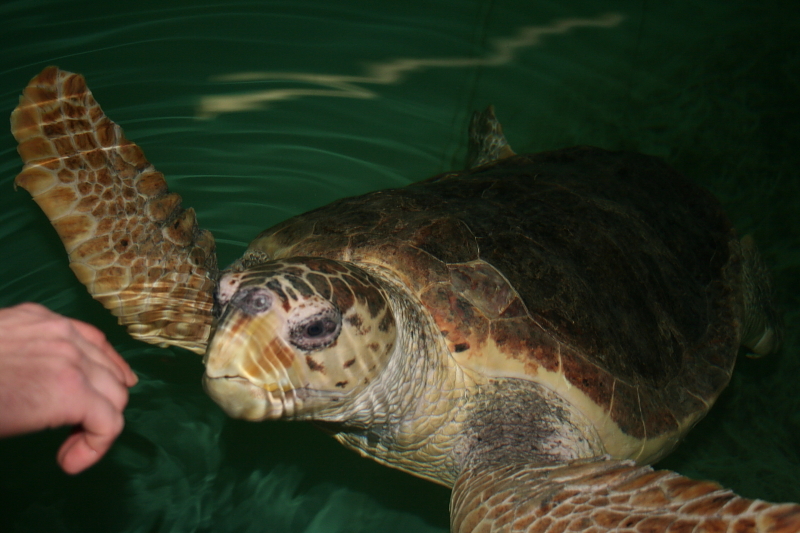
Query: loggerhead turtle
<point x="531" y="331"/>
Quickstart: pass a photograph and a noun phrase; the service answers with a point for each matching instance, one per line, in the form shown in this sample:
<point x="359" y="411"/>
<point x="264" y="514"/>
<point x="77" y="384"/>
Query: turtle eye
<point x="318" y="331"/>
<point x="252" y="300"/>
<point x="319" y="327"/>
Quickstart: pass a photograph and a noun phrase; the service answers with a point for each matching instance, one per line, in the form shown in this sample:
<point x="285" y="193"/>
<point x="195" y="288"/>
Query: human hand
<point x="57" y="371"/>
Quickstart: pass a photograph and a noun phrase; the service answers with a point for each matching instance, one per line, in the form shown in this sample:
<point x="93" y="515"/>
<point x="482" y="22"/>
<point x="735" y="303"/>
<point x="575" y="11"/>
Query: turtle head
<point x="297" y="338"/>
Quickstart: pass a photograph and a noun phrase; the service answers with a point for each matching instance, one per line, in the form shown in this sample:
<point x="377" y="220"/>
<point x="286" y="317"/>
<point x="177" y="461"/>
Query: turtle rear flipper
<point x="761" y="332"/>
<point x="605" y="495"/>
<point x="487" y="143"/>
<point x="129" y="240"/>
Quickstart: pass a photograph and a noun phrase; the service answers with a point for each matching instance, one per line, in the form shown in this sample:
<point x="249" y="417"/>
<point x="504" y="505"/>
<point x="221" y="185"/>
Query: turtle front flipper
<point x="128" y="238"/>
<point x="605" y="495"/>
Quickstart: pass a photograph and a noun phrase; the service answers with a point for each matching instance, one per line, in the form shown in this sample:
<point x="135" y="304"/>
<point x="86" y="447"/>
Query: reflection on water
<point x="390" y="72"/>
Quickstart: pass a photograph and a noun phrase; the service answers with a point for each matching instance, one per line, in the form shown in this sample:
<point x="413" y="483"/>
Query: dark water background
<point x="257" y="111"/>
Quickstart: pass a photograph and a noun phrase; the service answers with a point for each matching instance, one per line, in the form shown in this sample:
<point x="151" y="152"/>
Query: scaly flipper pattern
<point x="129" y="240"/>
<point x="603" y="496"/>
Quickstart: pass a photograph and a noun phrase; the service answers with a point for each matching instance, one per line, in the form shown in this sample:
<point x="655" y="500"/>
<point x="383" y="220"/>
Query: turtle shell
<point x="605" y="276"/>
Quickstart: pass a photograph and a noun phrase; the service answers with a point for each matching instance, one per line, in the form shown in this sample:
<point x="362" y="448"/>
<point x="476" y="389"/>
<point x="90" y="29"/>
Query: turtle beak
<point x="251" y="372"/>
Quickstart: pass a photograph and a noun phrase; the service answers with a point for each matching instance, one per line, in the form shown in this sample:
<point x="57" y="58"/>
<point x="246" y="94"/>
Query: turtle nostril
<point x="252" y="300"/>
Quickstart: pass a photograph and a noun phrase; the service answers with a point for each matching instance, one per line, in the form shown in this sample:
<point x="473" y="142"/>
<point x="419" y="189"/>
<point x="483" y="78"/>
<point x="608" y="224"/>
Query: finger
<point x="100" y="427"/>
<point x="93" y="399"/>
<point x="103" y="382"/>
<point x="75" y="456"/>
<point x="43" y="323"/>
<point x="33" y="309"/>
<point x="97" y="356"/>
<point x="101" y="351"/>
<point x="81" y="393"/>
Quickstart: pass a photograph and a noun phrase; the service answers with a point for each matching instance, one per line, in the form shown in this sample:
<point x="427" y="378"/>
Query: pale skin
<point x="56" y="371"/>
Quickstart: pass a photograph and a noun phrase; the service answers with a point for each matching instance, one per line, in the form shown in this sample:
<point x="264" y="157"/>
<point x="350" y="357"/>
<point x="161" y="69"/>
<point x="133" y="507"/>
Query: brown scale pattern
<point x="129" y="240"/>
<point x="576" y="251"/>
<point x="604" y="496"/>
<point x="301" y="277"/>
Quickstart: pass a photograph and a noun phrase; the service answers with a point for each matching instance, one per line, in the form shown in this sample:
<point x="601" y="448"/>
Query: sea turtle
<point x="531" y="331"/>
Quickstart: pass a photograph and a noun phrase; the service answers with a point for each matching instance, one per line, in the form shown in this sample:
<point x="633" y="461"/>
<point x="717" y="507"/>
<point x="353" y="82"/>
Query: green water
<point x="256" y="111"/>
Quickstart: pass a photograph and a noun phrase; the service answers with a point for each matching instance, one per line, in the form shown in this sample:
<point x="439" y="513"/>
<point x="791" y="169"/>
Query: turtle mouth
<point x="240" y="398"/>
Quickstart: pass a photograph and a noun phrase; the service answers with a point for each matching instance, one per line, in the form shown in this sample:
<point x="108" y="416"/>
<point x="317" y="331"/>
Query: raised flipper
<point x="128" y="238"/>
<point x="486" y="140"/>
<point x="605" y="495"/>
